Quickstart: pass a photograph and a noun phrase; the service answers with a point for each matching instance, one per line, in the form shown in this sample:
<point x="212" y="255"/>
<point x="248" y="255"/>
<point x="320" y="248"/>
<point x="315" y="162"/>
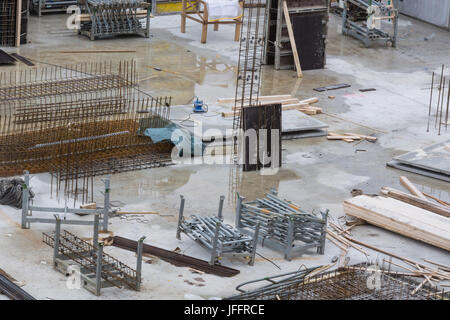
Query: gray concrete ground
<point x="316" y="173"/>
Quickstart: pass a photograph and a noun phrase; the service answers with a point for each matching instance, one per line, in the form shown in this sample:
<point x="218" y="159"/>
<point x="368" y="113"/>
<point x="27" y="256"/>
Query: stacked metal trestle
<point x="115" y="17"/>
<point x="284" y="226"/>
<point x="216" y="236"/>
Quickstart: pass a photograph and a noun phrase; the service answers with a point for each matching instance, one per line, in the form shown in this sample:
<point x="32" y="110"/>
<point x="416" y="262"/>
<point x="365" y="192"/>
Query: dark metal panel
<point x="261" y="117"/>
<point x="310" y="40"/>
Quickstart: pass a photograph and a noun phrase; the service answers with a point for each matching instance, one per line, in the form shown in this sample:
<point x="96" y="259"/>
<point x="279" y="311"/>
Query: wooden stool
<point x="192" y="7"/>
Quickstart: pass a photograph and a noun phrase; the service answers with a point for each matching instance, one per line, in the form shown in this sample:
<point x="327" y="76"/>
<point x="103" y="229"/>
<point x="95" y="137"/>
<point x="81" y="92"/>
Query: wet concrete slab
<point x="316" y="173"/>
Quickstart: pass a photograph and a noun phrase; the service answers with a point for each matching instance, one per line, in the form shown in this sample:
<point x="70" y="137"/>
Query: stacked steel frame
<point x="77" y="122"/>
<point x="283" y="224"/>
<point x="115" y="17"/>
<point x="349" y="283"/>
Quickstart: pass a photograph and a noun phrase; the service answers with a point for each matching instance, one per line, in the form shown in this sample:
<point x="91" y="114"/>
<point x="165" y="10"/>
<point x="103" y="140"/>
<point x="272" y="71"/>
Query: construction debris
<point x="349" y="137"/>
<point x="284" y="226"/>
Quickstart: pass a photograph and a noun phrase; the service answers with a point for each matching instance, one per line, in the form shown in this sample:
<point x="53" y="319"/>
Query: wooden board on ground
<point x="416" y="201"/>
<point x="402" y="218"/>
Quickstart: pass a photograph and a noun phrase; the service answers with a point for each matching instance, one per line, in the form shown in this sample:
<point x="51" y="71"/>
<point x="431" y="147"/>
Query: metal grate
<point x="342" y="284"/>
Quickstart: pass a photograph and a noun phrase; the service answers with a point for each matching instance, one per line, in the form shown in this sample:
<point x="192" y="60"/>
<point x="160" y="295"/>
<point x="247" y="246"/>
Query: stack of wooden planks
<point x="402" y="218"/>
<point x="288" y="102"/>
<point x="349" y="137"/>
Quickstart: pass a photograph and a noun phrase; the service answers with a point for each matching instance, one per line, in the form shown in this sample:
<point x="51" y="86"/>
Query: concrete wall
<point x="433" y="11"/>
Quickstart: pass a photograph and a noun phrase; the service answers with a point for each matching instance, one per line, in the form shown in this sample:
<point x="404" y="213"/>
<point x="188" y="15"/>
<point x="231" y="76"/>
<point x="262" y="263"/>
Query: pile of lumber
<point x="402" y="218"/>
<point x="411" y="215"/>
<point x="349" y="137"/>
<point x="288" y="102"/>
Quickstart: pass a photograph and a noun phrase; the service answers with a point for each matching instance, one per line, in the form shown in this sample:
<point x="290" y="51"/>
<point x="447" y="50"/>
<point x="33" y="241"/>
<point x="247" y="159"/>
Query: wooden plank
<point x="96" y="51"/>
<point x="416" y="201"/>
<point x="333" y="137"/>
<point x="310" y="100"/>
<point x="411" y="187"/>
<point x="369" y="138"/>
<point x="274" y="98"/>
<point x="292" y="40"/>
<point x="402" y="218"/>
<point x="299" y="107"/>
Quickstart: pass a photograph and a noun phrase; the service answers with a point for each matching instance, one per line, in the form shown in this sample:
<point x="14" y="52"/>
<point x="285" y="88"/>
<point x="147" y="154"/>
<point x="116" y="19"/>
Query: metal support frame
<point x="97" y="269"/>
<point x="113" y="17"/>
<point x="27" y="209"/>
<point x="216" y="236"/>
<point x="285" y="227"/>
<point x="360" y="30"/>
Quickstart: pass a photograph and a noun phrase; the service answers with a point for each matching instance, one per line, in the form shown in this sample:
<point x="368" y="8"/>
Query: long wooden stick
<point x="292" y="40"/>
<point x="411" y="187"/>
<point x="416" y="201"/>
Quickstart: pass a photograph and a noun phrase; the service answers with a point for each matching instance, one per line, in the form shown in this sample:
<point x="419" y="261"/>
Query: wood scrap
<point x="416" y="201"/>
<point x="436" y="199"/>
<point x="96" y="51"/>
<point x="402" y="218"/>
<point x="92" y="205"/>
<point x="411" y="187"/>
<point x="350" y="137"/>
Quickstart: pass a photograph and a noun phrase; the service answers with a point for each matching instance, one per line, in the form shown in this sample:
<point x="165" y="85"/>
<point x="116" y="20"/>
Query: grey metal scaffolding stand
<point x="97" y="269"/>
<point x="283" y="225"/>
<point x="115" y="17"/>
<point x="216" y="236"/>
<point x="43" y="6"/>
<point x="359" y="29"/>
<point x="28" y="209"/>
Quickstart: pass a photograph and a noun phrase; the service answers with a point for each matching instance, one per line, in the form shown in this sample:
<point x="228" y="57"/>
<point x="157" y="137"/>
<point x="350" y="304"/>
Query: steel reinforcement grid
<point x="350" y="283"/>
<point x="77" y="122"/>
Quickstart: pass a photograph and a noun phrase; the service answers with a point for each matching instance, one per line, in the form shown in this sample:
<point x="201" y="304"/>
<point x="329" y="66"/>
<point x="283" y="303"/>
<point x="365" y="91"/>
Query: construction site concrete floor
<point x="316" y="173"/>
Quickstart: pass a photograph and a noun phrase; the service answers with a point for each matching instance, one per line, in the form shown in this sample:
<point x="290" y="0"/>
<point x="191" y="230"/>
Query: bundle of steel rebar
<point x="284" y="225"/>
<point x="115" y="17"/>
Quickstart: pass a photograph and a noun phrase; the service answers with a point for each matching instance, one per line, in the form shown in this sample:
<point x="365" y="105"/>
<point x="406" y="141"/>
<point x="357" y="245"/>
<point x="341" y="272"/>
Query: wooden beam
<point x="416" y="201"/>
<point x="411" y="187"/>
<point x="402" y="218"/>
<point x="292" y="40"/>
